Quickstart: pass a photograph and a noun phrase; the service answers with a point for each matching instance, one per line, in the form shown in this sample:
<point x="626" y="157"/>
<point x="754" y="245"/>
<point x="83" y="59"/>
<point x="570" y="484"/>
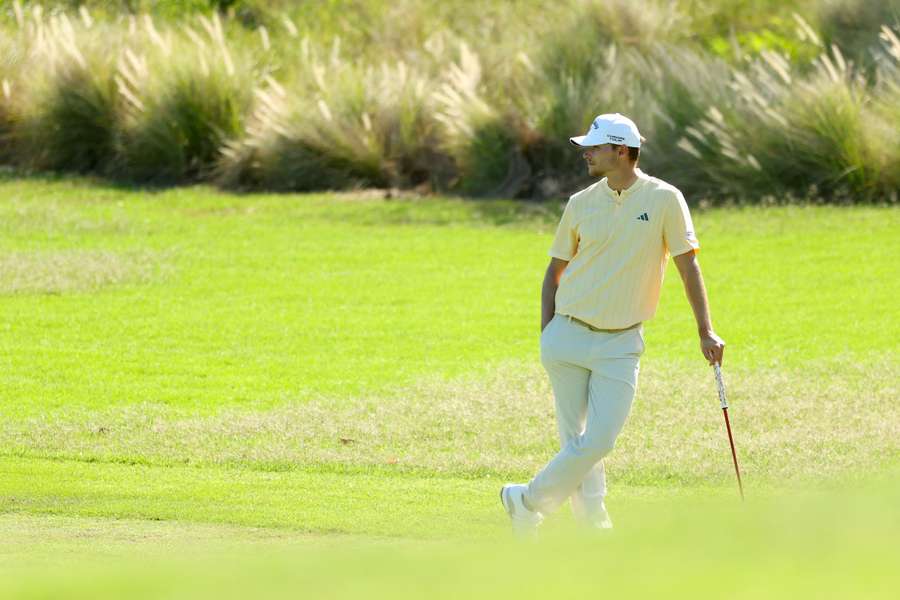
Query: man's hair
<point x="633" y="153"/>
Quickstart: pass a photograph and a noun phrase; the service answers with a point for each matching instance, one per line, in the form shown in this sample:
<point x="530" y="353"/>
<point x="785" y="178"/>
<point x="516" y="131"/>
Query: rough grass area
<point x="73" y="271"/>
<point x="791" y="426"/>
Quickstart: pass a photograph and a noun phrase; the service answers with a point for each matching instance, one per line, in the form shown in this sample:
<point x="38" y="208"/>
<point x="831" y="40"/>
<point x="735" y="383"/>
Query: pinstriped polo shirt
<point x="617" y="248"/>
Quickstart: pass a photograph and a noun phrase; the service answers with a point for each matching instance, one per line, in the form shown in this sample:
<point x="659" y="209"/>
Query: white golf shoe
<point x="524" y="521"/>
<point x="598" y="519"/>
<point x="594" y="519"/>
<point x="590" y="513"/>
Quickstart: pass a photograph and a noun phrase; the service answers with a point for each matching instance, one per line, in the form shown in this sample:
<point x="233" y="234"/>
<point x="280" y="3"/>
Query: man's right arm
<point x="548" y="290"/>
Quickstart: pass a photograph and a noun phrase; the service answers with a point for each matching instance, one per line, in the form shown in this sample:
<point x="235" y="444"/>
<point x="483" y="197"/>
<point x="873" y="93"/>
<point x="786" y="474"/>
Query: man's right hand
<point x="548" y="290"/>
<point x="712" y="347"/>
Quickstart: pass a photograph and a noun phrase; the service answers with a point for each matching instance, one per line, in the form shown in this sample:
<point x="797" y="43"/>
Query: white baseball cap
<point x="612" y="128"/>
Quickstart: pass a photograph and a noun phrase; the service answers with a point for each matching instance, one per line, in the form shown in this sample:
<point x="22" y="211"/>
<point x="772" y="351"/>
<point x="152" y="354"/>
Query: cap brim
<point x="582" y="141"/>
<point x="585" y="141"/>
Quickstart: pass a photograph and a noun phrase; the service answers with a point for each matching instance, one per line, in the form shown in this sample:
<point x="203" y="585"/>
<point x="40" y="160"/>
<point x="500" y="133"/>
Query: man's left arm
<point x="711" y="345"/>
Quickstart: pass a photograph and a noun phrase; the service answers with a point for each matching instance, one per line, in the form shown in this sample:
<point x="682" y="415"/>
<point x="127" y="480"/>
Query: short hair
<point x="633" y="153"/>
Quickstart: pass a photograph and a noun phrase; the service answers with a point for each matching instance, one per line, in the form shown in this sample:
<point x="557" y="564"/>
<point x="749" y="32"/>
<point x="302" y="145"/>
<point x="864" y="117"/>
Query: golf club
<point x="721" y="385"/>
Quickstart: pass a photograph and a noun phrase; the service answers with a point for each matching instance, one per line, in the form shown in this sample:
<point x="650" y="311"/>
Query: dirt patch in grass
<point x="68" y="271"/>
<point x="834" y="419"/>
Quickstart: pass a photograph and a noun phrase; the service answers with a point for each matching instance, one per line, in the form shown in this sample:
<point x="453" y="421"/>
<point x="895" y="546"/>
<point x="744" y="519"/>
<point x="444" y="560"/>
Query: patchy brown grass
<point x="788" y="425"/>
<point x="51" y="216"/>
<point x="66" y="271"/>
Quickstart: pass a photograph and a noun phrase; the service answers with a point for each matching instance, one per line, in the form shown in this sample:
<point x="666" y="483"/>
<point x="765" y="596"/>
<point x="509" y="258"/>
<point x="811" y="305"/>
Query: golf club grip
<point x="721" y="385"/>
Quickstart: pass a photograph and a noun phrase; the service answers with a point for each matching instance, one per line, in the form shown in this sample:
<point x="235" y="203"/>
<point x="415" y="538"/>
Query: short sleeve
<point x="678" y="228"/>
<point x="565" y="244"/>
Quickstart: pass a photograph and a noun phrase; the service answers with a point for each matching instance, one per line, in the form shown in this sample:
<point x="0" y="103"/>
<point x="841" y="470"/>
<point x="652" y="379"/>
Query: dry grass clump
<point x="824" y="132"/>
<point x="789" y="425"/>
<point x="63" y="102"/>
<point x="446" y="100"/>
<point x="184" y="94"/>
<point x="853" y="24"/>
<point x="482" y="128"/>
<point x="123" y="99"/>
<point x="11" y="57"/>
<point x="337" y="124"/>
<point x="73" y="271"/>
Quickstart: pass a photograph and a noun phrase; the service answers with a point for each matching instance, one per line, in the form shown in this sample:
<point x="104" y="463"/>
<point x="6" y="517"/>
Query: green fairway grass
<point x="830" y="543"/>
<point x="324" y="376"/>
<point x="210" y="299"/>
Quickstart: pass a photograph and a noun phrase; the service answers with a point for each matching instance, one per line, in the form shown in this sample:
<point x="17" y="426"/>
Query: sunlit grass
<point x="269" y="299"/>
<point x="703" y="543"/>
<point x="341" y="383"/>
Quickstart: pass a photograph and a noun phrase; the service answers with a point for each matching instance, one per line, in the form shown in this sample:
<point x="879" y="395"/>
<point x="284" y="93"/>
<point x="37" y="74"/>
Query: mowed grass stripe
<point x="360" y="503"/>
<point x="375" y="503"/>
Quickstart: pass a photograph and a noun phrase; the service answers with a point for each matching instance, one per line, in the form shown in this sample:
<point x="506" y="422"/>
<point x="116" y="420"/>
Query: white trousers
<point x="594" y="376"/>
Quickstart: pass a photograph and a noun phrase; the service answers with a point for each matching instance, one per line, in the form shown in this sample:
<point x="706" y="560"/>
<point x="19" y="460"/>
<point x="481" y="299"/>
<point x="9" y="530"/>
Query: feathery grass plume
<point x="66" y="116"/>
<point x="786" y="131"/>
<point x="628" y="23"/>
<point x="481" y="140"/>
<point x="662" y="87"/>
<point x="595" y="59"/>
<point x="678" y="86"/>
<point x="740" y="144"/>
<point x="11" y="57"/>
<point x="579" y="44"/>
<point x="337" y="125"/>
<point x="882" y="120"/>
<point x="570" y="99"/>
<point x="184" y="94"/>
<point x="481" y="102"/>
<point x="825" y="114"/>
<point x="833" y="134"/>
<point x="854" y="25"/>
<point x="564" y="102"/>
<point x="14" y="46"/>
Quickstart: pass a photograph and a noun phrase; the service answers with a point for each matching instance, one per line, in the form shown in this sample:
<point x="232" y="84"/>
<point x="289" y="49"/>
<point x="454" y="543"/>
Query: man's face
<point x="601" y="159"/>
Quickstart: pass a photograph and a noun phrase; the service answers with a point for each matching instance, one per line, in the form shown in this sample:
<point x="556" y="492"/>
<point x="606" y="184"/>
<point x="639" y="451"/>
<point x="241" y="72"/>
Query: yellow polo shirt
<point x="617" y="248"/>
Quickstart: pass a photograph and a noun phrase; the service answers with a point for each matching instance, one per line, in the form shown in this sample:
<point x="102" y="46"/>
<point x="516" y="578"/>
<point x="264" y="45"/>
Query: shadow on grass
<point x="394" y="206"/>
<point x="9" y="173"/>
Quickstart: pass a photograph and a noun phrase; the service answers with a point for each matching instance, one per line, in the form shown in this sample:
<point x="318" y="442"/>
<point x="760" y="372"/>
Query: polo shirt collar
<point x="642" y="178"/>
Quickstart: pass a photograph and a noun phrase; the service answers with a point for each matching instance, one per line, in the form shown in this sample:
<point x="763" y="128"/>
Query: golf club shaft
<point x="737" y="470"/>
<point x="720" y="383"/>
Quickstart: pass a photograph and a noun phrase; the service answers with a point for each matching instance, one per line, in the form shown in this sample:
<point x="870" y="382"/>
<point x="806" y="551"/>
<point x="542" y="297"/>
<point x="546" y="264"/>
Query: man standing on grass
<point x="606" y="270"/>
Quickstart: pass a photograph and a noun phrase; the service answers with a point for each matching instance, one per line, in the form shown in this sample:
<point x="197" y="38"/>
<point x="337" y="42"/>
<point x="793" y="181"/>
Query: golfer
<point x="606" y="270"/>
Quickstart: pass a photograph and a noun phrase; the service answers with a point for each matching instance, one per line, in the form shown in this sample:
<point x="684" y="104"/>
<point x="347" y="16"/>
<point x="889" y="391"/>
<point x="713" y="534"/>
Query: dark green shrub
<point x="185" y="120"/>
<point x="69" y="122"/>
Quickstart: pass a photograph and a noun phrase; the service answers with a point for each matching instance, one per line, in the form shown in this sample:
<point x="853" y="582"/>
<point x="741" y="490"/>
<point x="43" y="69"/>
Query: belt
<point x="592" y="328"/>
